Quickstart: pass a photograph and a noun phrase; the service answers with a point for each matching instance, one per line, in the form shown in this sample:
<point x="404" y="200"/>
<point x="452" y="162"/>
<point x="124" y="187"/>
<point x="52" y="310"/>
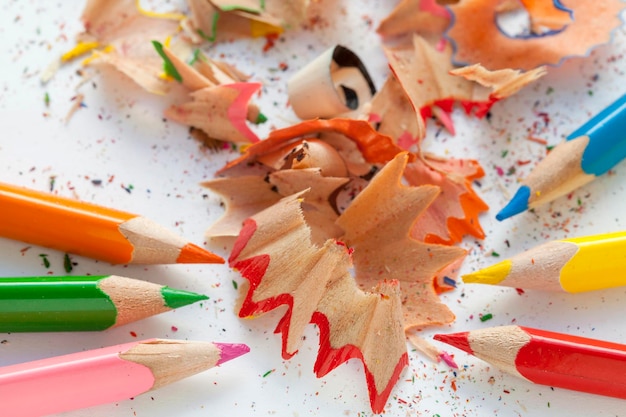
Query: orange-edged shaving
<point x="375" y="147"/>
<point x="455" y="212"/>
<point x="477" y="38"/>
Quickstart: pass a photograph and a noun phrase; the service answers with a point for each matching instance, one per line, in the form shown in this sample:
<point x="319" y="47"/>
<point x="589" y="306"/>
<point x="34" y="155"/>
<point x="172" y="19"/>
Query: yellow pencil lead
<point x="491" y="275"/>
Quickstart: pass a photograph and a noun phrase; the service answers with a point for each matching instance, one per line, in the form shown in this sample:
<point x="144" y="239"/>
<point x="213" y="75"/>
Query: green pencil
<point x="83" y="303"/>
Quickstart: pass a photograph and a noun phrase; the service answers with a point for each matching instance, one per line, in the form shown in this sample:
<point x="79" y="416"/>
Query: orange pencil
<point x="90" y="230"/>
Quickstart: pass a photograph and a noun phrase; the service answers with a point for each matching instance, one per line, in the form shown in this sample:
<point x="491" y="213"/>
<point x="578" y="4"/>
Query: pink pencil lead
<point x="231" y="351"/>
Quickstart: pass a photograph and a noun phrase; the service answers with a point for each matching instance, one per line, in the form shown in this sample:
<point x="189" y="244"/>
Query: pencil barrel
<point x="50" y="304"/>
<point x="64" y="224"/>
<point x="575" y="363"/>
<point x="607" y="138"/>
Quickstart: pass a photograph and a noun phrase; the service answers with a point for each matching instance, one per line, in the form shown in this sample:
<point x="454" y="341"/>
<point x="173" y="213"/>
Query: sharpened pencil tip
<point x="518" y="204"/>
<point x="492" y="275"/>
<point x="194" y="254"/>
<point x="458" y="340"/>
<point x="231" y="351"/>
<point x="178" y="298"/>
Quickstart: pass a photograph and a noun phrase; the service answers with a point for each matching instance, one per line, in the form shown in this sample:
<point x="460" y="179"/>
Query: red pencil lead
<point x="458" y="340"/>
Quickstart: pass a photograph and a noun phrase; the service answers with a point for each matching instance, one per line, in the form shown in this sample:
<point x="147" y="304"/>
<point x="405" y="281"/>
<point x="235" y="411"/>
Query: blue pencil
<point x="590" y="151"/>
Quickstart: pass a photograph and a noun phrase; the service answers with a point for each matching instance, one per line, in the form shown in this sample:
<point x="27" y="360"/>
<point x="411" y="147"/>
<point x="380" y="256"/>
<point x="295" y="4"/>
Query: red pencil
<point x="549" y="358"/>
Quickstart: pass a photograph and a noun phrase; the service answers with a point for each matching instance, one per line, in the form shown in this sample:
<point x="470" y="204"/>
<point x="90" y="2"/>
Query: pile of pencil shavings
<point x="330" y="193"/>
<point x="300" y="239"/>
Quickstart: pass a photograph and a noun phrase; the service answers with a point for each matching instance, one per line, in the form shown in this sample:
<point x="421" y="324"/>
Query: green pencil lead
<point x="180" y="298"/>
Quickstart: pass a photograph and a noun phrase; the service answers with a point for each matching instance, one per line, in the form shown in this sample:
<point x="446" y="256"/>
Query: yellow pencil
<point x="580" y="264"/>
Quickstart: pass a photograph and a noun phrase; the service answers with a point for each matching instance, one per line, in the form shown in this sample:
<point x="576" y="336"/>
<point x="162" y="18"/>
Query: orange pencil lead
<point x="194" y="254"/>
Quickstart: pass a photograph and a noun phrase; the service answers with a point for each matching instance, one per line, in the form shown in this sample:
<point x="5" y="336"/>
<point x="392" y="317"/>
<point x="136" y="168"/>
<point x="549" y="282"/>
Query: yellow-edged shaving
<point x="81" y="48"/>
<point x="158" y="15"/>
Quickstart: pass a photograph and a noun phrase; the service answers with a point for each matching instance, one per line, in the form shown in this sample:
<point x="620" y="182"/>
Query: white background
<point x="121" y="138"/>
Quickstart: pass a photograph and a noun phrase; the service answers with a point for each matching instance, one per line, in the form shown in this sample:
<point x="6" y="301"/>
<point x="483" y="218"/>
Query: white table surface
<point x="121" y="138"/>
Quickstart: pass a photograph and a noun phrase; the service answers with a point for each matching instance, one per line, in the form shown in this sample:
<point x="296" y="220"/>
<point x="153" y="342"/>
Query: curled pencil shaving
<point x="317" y="205"/>
<point x="246" y="195"/>
<point x="137" y="61"/>
<point x="242" y="197"/>
<point x="275" y="254"/>
<point x="394" y="273"/>
<point x="573" y="29"/>
<point x="393" y="114"/>
<point x="202" y="71"/>
<point x="306" y="153"/>
<point x="216" y="20"/>
<point x="123" y="34"/>
<point x="374" y="147"/>
<point x="424" y="17"/>
<point x="432" y="84"/>
<point x="221" y="111"/>
<point x="377" y="226"/>
<point x="455" y="213"/>
<point x="500" y="83"/>
<point x="354" y="139"/>
<point x="334" y="84"/>
<point x="107" y="21"/>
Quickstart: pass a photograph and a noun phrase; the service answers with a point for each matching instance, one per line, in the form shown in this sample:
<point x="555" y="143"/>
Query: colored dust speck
<point x="447" y="358"/>
<point x="234" y="284"/>
<point x="449" y="281"/>
<point x="504" y="153"/>
<point x="486" y="317"/>
<point x="67" y="263"/>
<point x="495" y="254"/>
<point x="46" y="99"/>
<point x="268" y="372"/>
<point x="44" y="258"/>
<point x="270" y="41"/>
<point x="174" y="328"/>
<point x="133" y="334"/>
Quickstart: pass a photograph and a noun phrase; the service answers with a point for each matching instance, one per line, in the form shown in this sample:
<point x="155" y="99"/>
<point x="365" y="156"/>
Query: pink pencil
<point x="105" y="375"/>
